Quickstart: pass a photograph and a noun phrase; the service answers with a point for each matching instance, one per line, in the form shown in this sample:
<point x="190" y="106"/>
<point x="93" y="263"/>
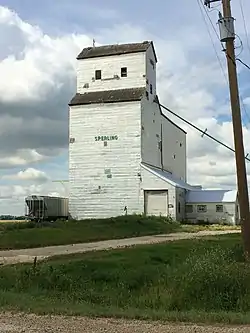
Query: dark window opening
<point x="151" y="89"/>
<point x="179" y="207"/>
<point x="146" y="94"/>
<point x="124" y="72"/>
<point x="201" y="208"/>
<point x="219" y="208"/>
<point x="98" y="74"/>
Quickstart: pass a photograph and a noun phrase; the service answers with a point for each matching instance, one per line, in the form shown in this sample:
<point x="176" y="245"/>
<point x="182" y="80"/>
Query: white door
<point x="156" y="202"/>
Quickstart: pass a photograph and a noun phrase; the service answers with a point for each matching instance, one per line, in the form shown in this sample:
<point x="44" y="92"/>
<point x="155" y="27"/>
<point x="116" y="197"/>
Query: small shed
<point x="212" y="206"/>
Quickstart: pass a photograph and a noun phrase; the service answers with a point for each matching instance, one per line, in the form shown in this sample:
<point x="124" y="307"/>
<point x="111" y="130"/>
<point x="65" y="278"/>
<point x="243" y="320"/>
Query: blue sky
<point x="39" y="41"/>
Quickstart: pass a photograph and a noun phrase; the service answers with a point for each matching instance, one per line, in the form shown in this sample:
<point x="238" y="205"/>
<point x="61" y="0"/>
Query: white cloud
<point x="12" y="196"/>
<point x="30" y="174"/>
<point x="19" y="157"/>
<point x="37" y="79"/>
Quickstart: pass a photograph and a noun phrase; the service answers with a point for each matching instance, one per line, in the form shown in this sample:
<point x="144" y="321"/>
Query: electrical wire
<point x="245" y="25"/>
<point x="200" y="4"/>
<point x="243" y="63"/>
<point x="208" y="16"/>
<point x="211" y="38"/>
<point x="199" y="129"/>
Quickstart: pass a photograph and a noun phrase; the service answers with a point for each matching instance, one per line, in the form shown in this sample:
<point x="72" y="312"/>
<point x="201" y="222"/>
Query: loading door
<point x="156" y="202"/>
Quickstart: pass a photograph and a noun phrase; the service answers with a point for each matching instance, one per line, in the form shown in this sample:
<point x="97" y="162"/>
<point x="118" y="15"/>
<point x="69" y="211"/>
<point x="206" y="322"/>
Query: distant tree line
<point x="11" y="217"/>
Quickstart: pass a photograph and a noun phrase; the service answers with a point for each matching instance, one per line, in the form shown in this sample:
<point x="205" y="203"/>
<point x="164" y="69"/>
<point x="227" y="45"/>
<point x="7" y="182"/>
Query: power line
<point x="200" y="4"/>
<point x="243" y="63"/>
<point x="216" y="32"/>
<point x="211" y="38"/>
<point x="245" y="25"/>
<point x="199" y="129"/>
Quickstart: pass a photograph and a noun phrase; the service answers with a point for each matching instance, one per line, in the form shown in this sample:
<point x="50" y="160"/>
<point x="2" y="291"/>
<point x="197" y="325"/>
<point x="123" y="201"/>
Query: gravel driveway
<point x="31" y="323"/>
<point x="28" y="255"/>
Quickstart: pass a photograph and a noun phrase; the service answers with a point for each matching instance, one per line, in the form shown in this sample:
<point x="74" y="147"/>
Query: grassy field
<point x="193" y="280"/>
<point x="30" y="234"/>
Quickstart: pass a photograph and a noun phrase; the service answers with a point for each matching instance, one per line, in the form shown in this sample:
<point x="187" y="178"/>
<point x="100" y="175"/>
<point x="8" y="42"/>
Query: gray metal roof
<point x="108" y="96"/>
<point x="115" y="49"/>
<point x="214" y="196"/>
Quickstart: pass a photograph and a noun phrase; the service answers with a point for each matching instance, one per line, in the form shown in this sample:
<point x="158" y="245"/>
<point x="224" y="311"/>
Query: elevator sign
<point x="106" y="137"/>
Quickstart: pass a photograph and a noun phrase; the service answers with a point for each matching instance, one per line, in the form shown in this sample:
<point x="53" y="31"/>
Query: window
<point x="179" y="207"/>
<point x="98" y="74"/>
<point x="151" y="89"/>
<point x="146" y="94"/>
<point x="201" y="208"/>
<point x="189" y="208"/>
<point x="219" y="208"/>
<point x="124" y="72"/>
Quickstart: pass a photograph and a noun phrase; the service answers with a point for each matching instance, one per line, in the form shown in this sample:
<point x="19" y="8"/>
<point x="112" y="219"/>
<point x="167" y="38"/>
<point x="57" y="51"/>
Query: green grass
<point x="202" y="280"/>
<point x="30" y="234"/>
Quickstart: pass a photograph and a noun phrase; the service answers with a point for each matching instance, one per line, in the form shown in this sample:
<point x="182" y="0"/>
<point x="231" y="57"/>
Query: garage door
<point x="156" y="203"/>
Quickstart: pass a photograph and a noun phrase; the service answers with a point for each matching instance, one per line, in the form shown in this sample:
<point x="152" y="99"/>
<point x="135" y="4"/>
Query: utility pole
<point x="227" y="34"/>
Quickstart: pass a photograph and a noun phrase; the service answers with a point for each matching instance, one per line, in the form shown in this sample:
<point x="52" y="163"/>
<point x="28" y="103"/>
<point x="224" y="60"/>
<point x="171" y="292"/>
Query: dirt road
<point x="21" y="323"/>
<point x="28" y="255"/>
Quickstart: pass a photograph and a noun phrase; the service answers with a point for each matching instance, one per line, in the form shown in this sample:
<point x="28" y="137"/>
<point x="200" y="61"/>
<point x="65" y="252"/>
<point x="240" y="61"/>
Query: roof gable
<point x="115" y="49"/>
<point x="108" y="96"/>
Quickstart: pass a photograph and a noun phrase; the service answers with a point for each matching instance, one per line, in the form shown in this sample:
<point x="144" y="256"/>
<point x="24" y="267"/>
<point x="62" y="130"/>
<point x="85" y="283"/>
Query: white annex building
<point x="125" y="155"/>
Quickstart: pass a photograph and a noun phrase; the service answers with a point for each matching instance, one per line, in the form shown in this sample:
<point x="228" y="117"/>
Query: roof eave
<point x="108" y="55"/>
<point x="150" y="43"/>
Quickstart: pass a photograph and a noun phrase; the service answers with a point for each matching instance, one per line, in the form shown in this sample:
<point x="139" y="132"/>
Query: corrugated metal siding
<point x="106" y="179"/>
<point x="173" y="141"/>
<point x="151" y="133"/>
<point x="151" y="73"/>
<point x="92" y="192"/>
<point x="227" y="216"/>
<point x="110" y="66"/>
<point x="174" y="149"/>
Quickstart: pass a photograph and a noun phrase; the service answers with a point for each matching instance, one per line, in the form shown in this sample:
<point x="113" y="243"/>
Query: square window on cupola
<point x="124" y="72"/>
<point x="98" y="74"/>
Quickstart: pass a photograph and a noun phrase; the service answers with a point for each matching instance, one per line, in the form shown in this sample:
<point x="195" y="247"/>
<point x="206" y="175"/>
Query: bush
<point x="212" y="281"/>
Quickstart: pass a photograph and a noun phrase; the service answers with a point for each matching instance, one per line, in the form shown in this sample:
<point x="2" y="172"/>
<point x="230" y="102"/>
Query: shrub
<point x="211" y="281"/>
